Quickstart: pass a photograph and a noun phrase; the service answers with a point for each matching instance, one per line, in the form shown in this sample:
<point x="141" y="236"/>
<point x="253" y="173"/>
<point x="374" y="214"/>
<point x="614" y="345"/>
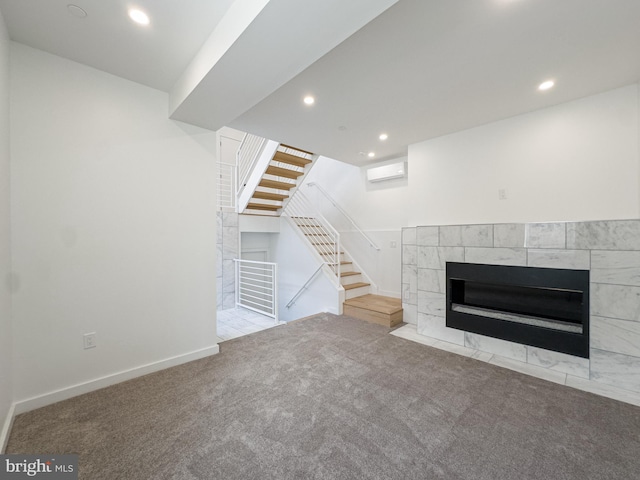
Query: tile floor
<point x="409" y="332"/>
<point x="236" y="322"/>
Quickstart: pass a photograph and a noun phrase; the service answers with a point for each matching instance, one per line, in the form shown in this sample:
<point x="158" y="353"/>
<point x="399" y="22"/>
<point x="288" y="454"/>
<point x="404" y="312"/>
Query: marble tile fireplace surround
<point x="609" y="250"/>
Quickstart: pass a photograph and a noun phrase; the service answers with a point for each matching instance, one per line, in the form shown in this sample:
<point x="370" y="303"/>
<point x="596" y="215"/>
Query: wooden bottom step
<point x="378" y="309"/>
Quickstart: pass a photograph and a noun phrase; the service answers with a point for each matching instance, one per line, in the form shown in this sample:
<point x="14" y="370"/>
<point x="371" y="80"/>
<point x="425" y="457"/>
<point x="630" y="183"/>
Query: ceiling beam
<point x="258" y="47"/>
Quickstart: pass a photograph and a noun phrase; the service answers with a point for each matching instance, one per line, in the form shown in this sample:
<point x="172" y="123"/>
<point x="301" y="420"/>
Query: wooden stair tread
<point x="295" y="148"/>
<point x="283" y="172"/>
<point x="278" y="197"/>
<point x="289" y="159"/>
<point x="351" y="286"/>
<point x="263" y="206"/>
<point x="349" y="274"/>
<point x="376" y="303"/>
<point x="276" y="185"/>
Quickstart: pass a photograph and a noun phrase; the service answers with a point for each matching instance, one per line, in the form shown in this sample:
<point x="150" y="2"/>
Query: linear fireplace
<point x="541" y="307"/>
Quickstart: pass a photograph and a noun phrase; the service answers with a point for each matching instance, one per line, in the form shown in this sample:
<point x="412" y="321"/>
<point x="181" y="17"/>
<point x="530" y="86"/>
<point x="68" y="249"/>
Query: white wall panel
<point x="113" y="226"/>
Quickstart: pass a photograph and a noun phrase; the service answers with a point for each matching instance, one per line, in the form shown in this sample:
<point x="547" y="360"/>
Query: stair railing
<point x="345" y="214"/>
<point x="256" y="287"/>
<point x="318" y="231"/>
<point x="247" y="155"/>
<point x="293" y="300"/>
<point x="364" y="252"/>
<point x="227" y="186"/>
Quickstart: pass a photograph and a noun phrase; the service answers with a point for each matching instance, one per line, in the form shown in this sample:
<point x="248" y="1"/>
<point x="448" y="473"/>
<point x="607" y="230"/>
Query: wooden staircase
<point x="359" y="302"/>
<point x="320" y="239"/>
<point x="281" y="176"/>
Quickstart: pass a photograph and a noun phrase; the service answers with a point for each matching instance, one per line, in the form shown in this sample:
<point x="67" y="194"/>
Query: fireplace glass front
<point x="543" y="307"/>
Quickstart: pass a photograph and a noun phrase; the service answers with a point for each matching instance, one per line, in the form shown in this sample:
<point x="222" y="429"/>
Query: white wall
<point x="296" y="264"/>
<point x="6" y="390"/>
<point x="575" y="161"/>
<point x="258" y="242"/>
<point x="113" y="227"/>
<point x="378" y="209"/>
<point x="258" y="223"/>
<point x="374" y="207"/>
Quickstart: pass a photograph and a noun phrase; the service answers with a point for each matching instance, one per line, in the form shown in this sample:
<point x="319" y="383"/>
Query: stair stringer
<point x="305" y="258"/>
<point x="246" y="191"/>
<point x="373" y="288"/>
<point x="260" y="172"/>
<point x="300" y="181"/>
<point x="314" y="252"/>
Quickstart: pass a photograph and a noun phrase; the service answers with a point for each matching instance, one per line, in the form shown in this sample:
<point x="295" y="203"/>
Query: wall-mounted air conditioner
<point x="386" y="172"/>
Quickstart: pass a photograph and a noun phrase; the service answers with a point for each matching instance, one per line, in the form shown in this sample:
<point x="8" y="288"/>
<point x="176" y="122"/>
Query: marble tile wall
<point x="609" y="249"/>
<point x="227" y="245"/>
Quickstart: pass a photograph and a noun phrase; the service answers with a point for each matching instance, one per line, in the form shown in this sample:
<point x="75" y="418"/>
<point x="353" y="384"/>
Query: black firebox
<point x="541" y="307"/>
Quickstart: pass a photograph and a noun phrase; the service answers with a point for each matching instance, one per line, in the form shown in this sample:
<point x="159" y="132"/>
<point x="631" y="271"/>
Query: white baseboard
<point x="32" y="403"/>
<point x="6" y="428"/>
<point x="389" y="293"/>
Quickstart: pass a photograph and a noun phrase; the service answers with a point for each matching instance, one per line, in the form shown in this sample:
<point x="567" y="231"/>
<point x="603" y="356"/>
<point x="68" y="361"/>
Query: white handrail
<point x="256" y="287"/>
<point x="304" y="287"/>
<point x="347" y="216"/>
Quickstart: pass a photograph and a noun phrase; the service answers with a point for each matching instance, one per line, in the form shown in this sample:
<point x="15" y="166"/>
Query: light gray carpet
<point x="337" y="398"/>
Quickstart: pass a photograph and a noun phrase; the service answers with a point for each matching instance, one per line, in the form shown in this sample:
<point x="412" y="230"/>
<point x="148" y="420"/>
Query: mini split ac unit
<point x="386" y="172"/>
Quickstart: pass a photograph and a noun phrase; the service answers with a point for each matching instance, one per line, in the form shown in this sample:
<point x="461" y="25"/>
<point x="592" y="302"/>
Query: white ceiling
<point x="425" y="68"/>
<point x="279" y="40"/>
<point x="108" y="40"/>
<point x="421" y="69"/>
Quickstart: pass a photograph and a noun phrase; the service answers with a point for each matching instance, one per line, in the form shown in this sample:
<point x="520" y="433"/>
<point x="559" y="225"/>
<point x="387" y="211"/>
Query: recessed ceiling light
<point x="546" y="85"/>
<point x="76" y="11"/>
<point x="309" y="100"/>
<point x="383" y="136"/>
<point x="139" y="16"/>
<point x="371" y="154"/>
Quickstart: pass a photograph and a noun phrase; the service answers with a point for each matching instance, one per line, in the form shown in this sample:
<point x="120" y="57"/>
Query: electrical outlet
<point x="502" y="194"/>
<point x="89" y="340"/>
<point x="394" y="244"/>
